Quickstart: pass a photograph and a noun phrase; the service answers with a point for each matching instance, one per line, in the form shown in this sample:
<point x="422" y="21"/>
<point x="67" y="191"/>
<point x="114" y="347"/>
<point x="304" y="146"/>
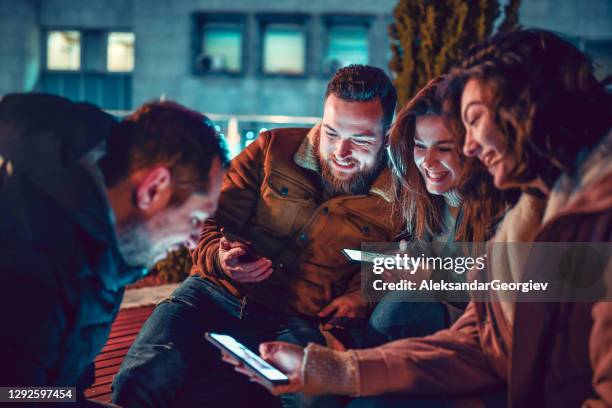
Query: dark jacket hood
<point x="55" y="144"/>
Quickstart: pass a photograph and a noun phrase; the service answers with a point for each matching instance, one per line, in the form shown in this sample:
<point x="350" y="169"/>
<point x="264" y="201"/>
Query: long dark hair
<point x="423" y="212"/>
<point x="547" y="103"/>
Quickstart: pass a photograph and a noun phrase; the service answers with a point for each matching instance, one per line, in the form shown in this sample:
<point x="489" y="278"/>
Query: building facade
<point x="234" y="59"/>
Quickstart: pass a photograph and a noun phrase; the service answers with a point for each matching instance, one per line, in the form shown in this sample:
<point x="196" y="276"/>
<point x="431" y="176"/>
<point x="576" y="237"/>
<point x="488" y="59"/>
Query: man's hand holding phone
<point x="344" y="309"/>
<point x="239" y="262"/>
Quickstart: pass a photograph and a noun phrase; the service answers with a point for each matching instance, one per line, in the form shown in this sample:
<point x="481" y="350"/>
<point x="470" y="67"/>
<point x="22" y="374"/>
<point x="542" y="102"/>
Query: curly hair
<point x="547" y="101"/>
<point x="364" y="83"/>
<point x="482" y="204"/>
<point x="164" y="133"/>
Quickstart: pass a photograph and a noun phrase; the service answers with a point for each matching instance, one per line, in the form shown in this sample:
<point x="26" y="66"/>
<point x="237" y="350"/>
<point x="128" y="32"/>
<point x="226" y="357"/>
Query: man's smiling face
<point x="350" y="144"/>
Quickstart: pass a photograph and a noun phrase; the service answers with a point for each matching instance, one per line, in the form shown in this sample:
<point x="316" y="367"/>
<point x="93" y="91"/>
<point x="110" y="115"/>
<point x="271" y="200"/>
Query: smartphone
<point x="250" y="255"/>
<point x="270" y="375"/>
<point x="352" y="254"/>
<point x="361" y="256"/>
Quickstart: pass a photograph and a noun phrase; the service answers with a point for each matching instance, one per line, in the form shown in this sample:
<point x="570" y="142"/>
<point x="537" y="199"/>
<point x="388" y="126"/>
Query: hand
<point x="287" y="357"/>
<point x="245" y="272"/>
<point x="342" y="308"/>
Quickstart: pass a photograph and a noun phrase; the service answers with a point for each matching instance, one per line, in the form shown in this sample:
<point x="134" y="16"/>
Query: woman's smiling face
<point x="436" y="155"/>
<point x="483" y="137"/>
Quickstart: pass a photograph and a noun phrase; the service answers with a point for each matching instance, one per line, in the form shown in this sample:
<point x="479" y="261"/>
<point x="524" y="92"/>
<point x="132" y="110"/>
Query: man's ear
<point x="154" y="189"/>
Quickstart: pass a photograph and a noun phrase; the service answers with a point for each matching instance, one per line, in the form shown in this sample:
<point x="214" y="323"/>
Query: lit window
<point x="64" y="50"/>
<point x="120" y="52"/>
<point x="222" y="48"/>
<point x="346" y="45"/>
<point x="283" y="50"/>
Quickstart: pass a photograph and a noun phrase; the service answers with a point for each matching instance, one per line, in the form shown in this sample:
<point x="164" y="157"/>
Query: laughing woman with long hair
<point x="445" y="198"/>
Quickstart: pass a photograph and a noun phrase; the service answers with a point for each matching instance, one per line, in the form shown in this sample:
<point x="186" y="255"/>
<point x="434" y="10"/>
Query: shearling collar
<point x="305" y="157"/>
<point x="590" y="189"/>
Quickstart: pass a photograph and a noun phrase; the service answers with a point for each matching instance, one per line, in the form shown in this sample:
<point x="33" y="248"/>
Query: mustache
<point x="358" y="183"/>
<point x="350" y="160"/>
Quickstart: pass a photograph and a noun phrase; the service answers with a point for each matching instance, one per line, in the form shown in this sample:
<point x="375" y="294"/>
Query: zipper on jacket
<point x="243" y="302"/>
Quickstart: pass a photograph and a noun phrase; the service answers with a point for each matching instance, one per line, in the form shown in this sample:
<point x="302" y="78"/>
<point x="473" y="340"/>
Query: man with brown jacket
<point x="297" y="197"/>
<point x="542" y="349"/>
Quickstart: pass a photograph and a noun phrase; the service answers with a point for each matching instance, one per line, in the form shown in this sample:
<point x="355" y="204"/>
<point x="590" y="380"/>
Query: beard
<point x="136" y="246"/>
<point x="358" y="183"/>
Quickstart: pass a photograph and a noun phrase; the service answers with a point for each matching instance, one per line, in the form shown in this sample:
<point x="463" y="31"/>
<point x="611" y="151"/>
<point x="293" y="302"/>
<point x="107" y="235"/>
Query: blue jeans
<point x="399" y="316"/>
<point x="171" y="363"/>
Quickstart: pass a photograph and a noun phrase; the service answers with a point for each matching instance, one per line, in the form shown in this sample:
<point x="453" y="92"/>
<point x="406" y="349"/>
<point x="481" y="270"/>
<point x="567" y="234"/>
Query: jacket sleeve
<point x="601" y="355"/>
<point x="31" y="316"/>
<point x="450" y="362"/>
<point x="238" y="199"/>
<point x="354" y="284"/>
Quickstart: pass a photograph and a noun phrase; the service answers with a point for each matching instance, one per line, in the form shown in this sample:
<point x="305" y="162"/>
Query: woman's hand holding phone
<point x="287" y="357"/>
<point x="230" y="254"/>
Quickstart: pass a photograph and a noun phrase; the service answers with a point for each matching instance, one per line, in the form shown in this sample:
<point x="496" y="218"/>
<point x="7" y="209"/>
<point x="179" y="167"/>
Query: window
<point x="64" y="50"/>
<point x="218" y="43"/>
<point x="222" y="48"/>
<point x="120" y="52"/>
<point x="92" y="65"/>
<point x="284" y="49"/>
<point x="346" y="45"/>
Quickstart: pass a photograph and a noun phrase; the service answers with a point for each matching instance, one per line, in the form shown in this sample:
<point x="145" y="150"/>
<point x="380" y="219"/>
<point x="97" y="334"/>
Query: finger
<point x="239" y="271"/>
<point x="265" y="275"/>
<point x="256" y="277"/>
<point x="269" y="348"/>
<point x="243" y="370"/>
<point x="229" y="359"/>
<point x="233" y="254"/>
<point x="251" y="276"/>
<point x="224" y="244"/>
<point x="327" y="310"/>
<point x="327" y="326"/>
<point x="347" y="311"/>
<point x="249" y="267"/>
<point x="342" y="312"/>
<point x="236" y="244"/>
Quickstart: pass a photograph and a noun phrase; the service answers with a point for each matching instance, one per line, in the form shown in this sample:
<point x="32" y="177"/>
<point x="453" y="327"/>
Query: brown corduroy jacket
<point x="272" y="197"/>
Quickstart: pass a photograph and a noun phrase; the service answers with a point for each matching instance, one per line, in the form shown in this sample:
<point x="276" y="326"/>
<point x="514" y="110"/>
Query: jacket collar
<point x="589" y="190"/>
<point x="306" y="158"/>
